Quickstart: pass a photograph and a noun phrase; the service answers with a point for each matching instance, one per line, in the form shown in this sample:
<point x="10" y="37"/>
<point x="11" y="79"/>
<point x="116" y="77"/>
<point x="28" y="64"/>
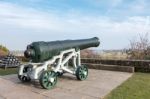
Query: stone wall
<point x="140" y="65"/>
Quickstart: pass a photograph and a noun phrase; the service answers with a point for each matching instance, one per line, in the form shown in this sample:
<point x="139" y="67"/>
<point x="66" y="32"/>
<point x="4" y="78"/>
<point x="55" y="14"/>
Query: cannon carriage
<point x="51" y="59"/>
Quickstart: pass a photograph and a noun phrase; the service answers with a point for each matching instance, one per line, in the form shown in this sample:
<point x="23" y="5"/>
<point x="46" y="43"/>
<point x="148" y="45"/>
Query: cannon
<point x="49" y="60"/>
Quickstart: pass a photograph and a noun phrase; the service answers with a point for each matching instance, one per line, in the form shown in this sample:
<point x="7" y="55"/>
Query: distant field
<point x="114" y="55"/>
<point x="136" y="87"/>
<point x="104" y="54"/>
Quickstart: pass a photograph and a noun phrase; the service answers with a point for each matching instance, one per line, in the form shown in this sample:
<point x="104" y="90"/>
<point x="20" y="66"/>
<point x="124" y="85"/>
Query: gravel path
<point x="98" y="84"/>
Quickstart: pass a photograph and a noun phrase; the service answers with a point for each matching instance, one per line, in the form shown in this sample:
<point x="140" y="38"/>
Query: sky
<point x="115" y="22"/>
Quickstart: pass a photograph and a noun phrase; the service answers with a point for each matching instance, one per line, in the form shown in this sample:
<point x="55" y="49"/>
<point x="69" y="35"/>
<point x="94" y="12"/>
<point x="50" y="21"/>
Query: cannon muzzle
<point x="43" y="51"/>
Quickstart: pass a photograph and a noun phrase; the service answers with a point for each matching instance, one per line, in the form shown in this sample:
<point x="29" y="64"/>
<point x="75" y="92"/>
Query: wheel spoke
<point x="23" y="78"/>
<point x="81" y="68"/>
<point x="45" y="80"/>
<point x="45" y="84"/>
<point x="53" y="74"/>
<point x="80" y="72"/>
<point x="45" y="77"/>
<point x="49" y="75"/>
<point x="82" y="76"/>
<point x="85" y="69"/>
<point x="48" y="84"/>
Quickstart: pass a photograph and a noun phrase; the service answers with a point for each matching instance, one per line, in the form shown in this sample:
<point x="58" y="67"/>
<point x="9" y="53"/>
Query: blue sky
<point x="115" y="22"/>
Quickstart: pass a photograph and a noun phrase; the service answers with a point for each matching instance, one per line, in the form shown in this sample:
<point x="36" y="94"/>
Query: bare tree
<point x="140" y="49"/>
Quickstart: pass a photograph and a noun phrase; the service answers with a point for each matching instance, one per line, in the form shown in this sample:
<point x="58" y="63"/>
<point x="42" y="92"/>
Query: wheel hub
<point x="51" y="80"/>
<point x="85" y="73"/>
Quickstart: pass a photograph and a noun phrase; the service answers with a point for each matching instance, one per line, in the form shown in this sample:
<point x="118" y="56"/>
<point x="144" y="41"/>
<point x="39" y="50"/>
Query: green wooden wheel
<point x="82" y="72"/>
<point x="48" y="79"/>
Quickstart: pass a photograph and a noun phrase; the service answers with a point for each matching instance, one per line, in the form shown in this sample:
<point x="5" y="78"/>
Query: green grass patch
<point x="8" y="71"/>
<point x="136" y="87"/>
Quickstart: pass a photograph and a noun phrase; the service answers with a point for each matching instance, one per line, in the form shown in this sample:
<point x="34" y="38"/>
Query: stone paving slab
<point x="98" y="84"/>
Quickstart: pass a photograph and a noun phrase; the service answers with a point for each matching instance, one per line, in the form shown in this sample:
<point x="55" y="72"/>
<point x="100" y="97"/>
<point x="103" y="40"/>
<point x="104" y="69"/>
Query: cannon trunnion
<point x="51" y="59"/>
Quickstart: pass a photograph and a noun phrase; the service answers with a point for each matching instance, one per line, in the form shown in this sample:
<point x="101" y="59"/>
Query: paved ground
<point x="98" y="84"/>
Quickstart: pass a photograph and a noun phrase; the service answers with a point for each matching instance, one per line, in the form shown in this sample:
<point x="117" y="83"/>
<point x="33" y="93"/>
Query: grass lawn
<point x="8" y="71"/>
<point x="136" y="87"/>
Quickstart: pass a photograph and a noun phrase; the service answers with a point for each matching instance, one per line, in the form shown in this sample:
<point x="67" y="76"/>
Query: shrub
<point x="3" y="50"/>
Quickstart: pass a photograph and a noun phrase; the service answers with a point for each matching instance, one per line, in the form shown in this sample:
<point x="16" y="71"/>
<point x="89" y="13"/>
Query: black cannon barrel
<point x="42" y="51"/>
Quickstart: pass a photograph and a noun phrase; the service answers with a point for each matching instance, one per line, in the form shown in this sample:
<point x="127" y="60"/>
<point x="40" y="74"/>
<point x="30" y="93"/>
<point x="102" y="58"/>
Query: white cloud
<point x="16" y="19"/>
